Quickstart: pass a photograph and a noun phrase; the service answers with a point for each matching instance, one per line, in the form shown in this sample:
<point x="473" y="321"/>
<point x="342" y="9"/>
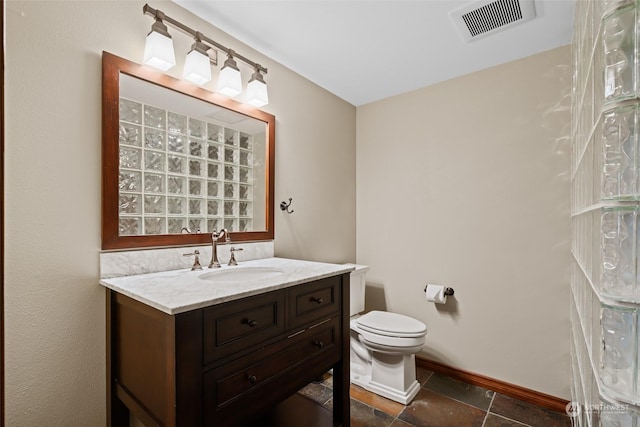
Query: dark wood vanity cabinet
<point x="228" y="364"/>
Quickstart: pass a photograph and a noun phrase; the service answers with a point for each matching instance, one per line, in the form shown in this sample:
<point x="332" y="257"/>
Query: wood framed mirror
<point x="179" y="162"/>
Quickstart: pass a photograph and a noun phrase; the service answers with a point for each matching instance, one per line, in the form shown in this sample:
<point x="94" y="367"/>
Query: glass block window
<point x="178" y="171"/>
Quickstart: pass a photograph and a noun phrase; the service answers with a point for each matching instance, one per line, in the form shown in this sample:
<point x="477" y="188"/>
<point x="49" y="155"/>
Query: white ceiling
<point x="364" y="51"/>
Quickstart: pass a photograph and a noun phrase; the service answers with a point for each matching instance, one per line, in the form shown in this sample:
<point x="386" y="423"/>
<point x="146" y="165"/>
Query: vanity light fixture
<point x="159" y="53"/>
<point x="197" y="66"/>
<point x="229" y="80"/>
<point x="257" y="90"/>
<point x="158" y="49"/>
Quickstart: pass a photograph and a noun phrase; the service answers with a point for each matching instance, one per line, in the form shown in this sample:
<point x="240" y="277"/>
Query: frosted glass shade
<point x="257" y="93"/>
<point x="158" y="51"/>
<point x="197" y="67"/>
<point x="229" y="81"/>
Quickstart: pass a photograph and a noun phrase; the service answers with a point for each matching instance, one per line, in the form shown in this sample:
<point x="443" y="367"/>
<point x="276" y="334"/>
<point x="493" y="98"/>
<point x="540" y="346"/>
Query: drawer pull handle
<point x="252" y="379"/>
<point x="252" y="323"/>
<point x="318" y="300"/>
<point x="318" y="344"/>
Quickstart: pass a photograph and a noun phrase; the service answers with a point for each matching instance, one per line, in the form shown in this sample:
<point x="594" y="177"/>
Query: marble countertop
<point x="178" y="291"/>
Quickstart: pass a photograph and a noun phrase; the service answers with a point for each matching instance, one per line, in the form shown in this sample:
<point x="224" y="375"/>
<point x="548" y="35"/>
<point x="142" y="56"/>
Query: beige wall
<point x="55" y="328"/>
<point x="465" y="184"/>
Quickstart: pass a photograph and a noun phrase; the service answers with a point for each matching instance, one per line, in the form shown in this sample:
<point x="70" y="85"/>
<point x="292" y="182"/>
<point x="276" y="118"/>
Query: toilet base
<point x="401" y="396"/>
<point x="360" y="379"/>
<point x="390" y="376"/>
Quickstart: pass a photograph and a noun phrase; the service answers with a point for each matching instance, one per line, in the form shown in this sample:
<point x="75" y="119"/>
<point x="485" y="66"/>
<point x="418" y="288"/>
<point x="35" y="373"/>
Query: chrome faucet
<point x="214" y="246"/>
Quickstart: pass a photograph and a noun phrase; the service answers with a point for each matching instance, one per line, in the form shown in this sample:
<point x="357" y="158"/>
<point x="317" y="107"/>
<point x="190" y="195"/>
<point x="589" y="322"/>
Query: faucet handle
<point x="196" y="261"/>
<point x="232" y="260"/>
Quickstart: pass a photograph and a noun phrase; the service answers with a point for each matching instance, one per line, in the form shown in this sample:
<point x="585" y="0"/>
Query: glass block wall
<point x="178" y="171"/>
<point x="605" y="204"/>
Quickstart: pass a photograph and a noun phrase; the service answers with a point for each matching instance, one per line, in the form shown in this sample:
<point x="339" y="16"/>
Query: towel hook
<point x="284" y="206"/>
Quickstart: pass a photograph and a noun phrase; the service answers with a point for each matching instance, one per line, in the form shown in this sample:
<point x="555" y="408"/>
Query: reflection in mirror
<point x="179" y="159"/>
<point x="186" y="163"/>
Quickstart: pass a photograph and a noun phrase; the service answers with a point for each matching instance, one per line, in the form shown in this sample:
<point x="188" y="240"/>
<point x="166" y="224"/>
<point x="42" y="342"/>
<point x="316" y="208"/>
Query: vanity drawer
<point x="237" y="325"/>
<point x="230" y="382"/>
<point x="315" y="300"/>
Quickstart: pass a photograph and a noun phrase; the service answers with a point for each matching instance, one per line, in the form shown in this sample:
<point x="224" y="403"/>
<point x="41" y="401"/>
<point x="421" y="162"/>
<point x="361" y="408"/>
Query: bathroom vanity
<point x="226" y="347"/>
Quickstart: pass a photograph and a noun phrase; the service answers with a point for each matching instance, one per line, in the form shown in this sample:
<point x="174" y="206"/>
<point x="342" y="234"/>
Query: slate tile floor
<point x="441" y="402"/>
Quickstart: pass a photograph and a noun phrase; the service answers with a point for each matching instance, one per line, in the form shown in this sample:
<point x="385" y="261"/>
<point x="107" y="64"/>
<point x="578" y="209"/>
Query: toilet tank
<point x="357" y="288"/>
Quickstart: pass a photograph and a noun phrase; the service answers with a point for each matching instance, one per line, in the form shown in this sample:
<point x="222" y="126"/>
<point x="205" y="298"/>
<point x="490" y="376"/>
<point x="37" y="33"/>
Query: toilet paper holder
<point x="447" y="291"/>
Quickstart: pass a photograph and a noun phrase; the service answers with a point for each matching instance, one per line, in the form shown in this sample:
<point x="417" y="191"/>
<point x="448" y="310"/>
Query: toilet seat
<point x="386" y="347"/>
<point x="398" y="344"/>
<point x="391" y="325"/>
<point x="389" y="332"/>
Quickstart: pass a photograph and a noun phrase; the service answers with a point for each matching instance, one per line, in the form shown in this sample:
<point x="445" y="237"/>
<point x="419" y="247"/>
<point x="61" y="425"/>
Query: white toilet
<point x="383" y="347"/>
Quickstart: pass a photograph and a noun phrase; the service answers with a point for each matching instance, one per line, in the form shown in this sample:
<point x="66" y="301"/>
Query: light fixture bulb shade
<point x="158" y="51"/>
<point x="257" y="93"/>
<point x="229" y="80"/>
<point x="197" y="67"/>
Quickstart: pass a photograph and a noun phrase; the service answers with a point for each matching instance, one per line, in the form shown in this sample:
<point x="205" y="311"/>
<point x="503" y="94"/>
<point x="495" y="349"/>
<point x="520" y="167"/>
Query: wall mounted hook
<point x="284" y="206"/>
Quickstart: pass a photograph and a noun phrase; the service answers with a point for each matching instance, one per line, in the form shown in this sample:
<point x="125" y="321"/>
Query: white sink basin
<point x="242" y="274"/>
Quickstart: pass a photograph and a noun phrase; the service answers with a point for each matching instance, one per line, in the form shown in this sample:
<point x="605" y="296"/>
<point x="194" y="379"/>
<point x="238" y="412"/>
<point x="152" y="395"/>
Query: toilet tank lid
<point x="359" y="268"/>
<point x="394" y="324"/>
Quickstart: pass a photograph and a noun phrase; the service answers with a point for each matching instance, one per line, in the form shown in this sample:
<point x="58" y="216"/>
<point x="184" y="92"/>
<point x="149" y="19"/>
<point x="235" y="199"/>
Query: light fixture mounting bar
<point x="158" y="14"/>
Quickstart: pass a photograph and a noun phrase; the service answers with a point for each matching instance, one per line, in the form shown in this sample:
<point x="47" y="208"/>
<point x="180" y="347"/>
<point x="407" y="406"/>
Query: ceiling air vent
<point x="483" y="18"/>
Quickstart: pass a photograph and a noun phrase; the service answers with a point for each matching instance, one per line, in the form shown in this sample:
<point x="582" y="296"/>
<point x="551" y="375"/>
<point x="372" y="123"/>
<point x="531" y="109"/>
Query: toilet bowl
<point x="383" y="347"/>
